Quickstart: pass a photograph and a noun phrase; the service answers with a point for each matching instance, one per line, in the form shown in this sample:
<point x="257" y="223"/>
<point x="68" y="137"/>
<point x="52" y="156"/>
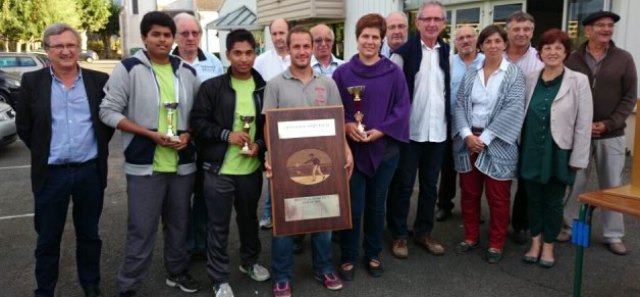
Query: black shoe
<point x="464" y="247"/>
<point x="127" y="294"/>
<point x="92" y="292"/>
<point x="443" y="214"/>
<point x="520" y="236"/>
<point x="374" y="271"/>
<point x="184" y="281"/>
<point x="493" y="256"/>
<point x="347" y="275"/>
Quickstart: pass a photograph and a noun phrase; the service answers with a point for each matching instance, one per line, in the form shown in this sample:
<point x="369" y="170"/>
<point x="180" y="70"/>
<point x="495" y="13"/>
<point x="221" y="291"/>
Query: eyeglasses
<point x="186" y="34"/>
<point x="603" y="25"/>
<point x="321" y="40"/>
<point x="431" y="19"/>
<point x="60" y="47"/>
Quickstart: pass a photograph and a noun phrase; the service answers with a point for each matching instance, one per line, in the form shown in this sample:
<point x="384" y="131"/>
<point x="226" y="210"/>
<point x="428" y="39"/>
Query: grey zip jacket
<point x="132" y="92"/>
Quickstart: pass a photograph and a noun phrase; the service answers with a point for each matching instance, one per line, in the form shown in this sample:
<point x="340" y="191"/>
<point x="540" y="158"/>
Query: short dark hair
<point x="551" y="36"/>
<point x="488" y="31"/>
<point x="240" y="35"/>
<point x="298" y="30"/>
<point x="520" y="16"/>
<point x="372" y="20"/>
<point x="156" y="18"/>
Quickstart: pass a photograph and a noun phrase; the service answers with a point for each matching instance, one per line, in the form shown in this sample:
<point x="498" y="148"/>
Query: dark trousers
<point x="197" y="228"/>
<point x="424" y="158"/>
<point x="222" y="193"/>
<point x="368" y="195"/>
<point x="82" y="184"/>
<point x="519" y="215"/>
<point x="546" y="206"/>
<point x="448" y="174"/>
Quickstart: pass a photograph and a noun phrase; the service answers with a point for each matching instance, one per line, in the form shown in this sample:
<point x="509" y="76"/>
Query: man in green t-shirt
<point x="228" y="128"/>
<point x="149" y="97"/>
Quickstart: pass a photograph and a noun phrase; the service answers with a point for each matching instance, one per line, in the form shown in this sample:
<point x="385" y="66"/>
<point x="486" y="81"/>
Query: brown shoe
<point x="433" y="246"/>
<point x="399" y="248"/>
<point x="564" y="235"/>
<point x="617" y="248"/>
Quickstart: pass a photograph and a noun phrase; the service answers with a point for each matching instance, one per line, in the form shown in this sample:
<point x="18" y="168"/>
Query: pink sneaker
<point x="330" y="281"/>
<point x="282" y="289"/>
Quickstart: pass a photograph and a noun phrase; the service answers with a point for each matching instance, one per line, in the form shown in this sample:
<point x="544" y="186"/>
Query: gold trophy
<point x="246" y="127"/>
<point x="356" y="91"/>
<point x="171" y="108"/>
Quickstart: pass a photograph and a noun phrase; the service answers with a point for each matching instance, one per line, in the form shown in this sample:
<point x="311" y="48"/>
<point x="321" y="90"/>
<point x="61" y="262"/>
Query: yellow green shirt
<point x="234" y="163"/>
<point x="165" y="159"/>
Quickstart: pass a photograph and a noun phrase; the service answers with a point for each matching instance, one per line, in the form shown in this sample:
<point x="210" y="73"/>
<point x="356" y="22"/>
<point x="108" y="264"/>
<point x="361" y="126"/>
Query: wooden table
<point x="625" y="199"/>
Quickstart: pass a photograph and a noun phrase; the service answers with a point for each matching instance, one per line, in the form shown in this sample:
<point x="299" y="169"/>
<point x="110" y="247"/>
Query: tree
<point x="111" y="28"/>
<point x="94" y="14"/>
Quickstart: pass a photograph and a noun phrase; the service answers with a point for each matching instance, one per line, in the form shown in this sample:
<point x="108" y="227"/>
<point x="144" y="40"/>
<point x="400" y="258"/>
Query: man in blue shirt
<point x="57" y="118"/>
<point x="466" y="58"/>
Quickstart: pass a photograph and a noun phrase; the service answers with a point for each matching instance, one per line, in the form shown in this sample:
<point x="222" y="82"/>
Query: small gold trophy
<point x="246" y="127"/>
<point x="171" y="108"/>
<point x="356" y="91"/>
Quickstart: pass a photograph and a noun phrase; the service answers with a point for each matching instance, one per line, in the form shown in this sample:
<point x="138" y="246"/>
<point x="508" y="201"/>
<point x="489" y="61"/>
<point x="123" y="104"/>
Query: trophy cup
<point x="356" y="91"/>
<point x="246" y="127"/>
<point x="171" y="107"/>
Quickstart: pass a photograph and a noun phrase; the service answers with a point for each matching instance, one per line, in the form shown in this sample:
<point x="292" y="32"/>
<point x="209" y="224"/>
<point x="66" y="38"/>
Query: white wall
<point x="210" y="42"/>
<point x="356" y="9"/>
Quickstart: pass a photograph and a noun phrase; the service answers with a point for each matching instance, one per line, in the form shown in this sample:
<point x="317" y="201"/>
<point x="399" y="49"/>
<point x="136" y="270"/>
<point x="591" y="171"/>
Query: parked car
<point x="88" y="55"/>
<point x="20" y="62"/>
<point x="8" y="132"/>
<point x="9" y="87"/>
<point x="43" y="57"/>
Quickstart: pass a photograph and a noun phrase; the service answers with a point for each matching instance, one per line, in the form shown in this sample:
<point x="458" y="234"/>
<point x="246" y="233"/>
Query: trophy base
<point x="174" y="138"/>
<point x="243" y="152"/>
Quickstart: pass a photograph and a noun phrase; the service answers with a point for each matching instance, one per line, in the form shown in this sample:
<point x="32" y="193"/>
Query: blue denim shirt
<point x="319" y="69"/>
<point x="73" y="139"/>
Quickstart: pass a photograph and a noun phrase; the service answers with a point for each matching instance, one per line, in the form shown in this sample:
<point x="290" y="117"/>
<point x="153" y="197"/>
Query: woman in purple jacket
<point x="384" y="113"/>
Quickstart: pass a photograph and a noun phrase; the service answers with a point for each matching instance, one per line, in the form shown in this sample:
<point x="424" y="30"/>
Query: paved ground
<point x="420" y="275"/>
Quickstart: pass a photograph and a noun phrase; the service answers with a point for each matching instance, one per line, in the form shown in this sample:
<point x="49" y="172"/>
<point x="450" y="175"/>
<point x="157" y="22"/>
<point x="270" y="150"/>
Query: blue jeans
<point x="368" y="197"/>
<point x="82" y="184"/>
<point x="266" y="214"/>
<point x="282" y="255"/>
<point x="425" y="158"/>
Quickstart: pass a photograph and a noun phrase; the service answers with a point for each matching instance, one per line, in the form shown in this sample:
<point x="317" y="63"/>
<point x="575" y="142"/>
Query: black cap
<point x="598" y="15"/>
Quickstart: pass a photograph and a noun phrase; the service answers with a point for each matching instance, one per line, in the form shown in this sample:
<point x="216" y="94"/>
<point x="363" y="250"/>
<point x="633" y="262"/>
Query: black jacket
<point x="33" y="120"/>
<point x="213" y="114"/>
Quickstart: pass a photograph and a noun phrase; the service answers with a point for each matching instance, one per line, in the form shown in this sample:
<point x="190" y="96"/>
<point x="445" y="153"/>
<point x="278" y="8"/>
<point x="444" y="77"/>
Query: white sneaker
<point x="266" y="224"/>
<point x="223" y="290"/>
<point x="257" y="272"/>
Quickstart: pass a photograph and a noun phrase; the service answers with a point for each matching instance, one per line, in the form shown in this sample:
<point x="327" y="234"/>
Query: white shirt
<point x="483" y="98"/>
<point x="428" y="121"/>
<point x="529" y="62"/>
<point x="270" y="64"/>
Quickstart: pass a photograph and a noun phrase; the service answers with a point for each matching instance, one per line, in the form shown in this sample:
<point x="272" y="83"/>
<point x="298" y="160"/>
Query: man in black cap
<point x="613" y="78"/>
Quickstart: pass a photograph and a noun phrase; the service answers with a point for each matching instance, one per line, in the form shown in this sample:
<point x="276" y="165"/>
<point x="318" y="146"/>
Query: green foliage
<point x="94" y="14"/>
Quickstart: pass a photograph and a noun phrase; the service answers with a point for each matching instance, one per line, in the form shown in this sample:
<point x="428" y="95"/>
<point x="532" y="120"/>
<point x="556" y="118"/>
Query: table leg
<point x="583" y="234"/>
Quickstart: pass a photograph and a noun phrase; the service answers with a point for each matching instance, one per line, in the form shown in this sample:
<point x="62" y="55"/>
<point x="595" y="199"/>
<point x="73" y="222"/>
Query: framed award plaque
<point x="309" y="187"/>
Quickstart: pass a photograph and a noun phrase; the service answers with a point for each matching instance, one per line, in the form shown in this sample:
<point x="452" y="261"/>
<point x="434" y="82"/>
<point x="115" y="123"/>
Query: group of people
<point x="496" y="111"/>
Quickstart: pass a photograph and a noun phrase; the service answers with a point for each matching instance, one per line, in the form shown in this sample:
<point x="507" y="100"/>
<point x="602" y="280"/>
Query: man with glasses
<point x="613" y="77"/>
<point x="467" y="57"/>
<point x="188" y="35"/>
<point x="57" y="119"/>
<point x="425" y="62"/>
<point x="519" y="51"/>
<point x="323" y="61"/>
<point x="397" y="32"/>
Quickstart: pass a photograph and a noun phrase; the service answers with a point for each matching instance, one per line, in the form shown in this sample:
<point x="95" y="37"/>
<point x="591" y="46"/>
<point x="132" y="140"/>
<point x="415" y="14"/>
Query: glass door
<point x="576" y="11"/>
<point x="501" y="10"/>
<point x="460" y="16"/>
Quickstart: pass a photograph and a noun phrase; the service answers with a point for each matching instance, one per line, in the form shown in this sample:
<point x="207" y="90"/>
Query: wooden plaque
<point x="309" y="187"/>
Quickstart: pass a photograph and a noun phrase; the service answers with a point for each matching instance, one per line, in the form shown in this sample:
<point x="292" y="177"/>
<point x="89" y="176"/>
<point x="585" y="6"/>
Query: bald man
<point x="465" y="40"/>
<point x="277" y="60"/>
<point x="397" y="31"/>
<point x="323" y="61"/>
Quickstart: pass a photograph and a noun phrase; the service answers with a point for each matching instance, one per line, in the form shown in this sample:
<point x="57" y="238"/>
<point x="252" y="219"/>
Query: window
<point x="577" y="10"/>
<point x="134" y="6"/>
<point x="26" y="62"/>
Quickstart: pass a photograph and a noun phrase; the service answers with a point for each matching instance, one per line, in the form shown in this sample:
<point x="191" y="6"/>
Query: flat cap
<point x="598" y="15"/>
